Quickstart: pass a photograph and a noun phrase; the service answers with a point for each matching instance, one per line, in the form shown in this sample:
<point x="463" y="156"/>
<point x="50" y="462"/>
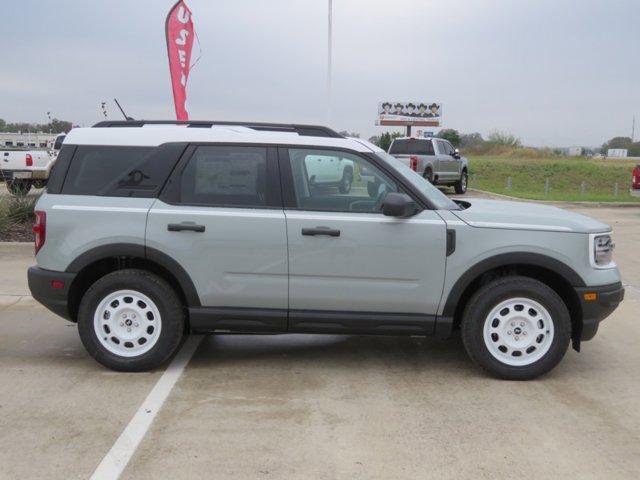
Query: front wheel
<point x="131" y="320"/>
<point x="516" y="328"/>
<point x="461" y="185"/>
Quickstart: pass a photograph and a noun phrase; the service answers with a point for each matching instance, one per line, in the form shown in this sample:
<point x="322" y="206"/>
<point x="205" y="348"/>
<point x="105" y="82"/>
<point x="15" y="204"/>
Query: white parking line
<point x="115" y="461"/>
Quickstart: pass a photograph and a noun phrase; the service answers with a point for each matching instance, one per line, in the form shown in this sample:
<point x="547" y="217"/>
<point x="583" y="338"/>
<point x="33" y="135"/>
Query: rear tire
<point x="346" y="182"/>
<point x="19" y="187"/>
<point x="461" y="185"/>
<point x="516" y="328"/>
<point x="131" y="320"/>
<point x="428" y="175"/>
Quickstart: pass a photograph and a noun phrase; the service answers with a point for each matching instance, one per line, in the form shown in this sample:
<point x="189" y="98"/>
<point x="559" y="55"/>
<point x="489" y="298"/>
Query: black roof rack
<point x="303" y="130"/>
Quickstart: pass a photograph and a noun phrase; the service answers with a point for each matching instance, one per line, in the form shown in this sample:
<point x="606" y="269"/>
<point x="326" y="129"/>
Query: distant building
<point x="27" y="140"/>
<point x="576" y="151"/>
<point x="617" y="152"/>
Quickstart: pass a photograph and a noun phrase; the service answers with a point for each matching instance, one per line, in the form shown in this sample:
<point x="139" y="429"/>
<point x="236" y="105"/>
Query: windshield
<point x="439" y="199"/>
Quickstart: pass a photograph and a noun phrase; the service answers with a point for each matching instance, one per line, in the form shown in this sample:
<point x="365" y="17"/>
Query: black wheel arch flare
<point x="141" y="252"/>
<point x="505" y="260"/>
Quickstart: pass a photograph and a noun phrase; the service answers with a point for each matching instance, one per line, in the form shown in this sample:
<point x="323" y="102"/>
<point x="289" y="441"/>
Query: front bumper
<point x="41" y="284"/>
<point x="607" y="299"/>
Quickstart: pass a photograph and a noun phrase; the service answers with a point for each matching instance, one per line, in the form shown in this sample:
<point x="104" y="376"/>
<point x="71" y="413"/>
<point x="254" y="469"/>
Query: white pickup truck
<point x="23" y="169"/>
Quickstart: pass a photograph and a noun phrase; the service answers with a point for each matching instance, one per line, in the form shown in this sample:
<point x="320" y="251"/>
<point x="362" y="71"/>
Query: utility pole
<point x="633" y="129"/>
<point x="329" y="53"/>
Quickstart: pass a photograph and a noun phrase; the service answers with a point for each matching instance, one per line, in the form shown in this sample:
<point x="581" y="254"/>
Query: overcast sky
<point x="553" y="72"/>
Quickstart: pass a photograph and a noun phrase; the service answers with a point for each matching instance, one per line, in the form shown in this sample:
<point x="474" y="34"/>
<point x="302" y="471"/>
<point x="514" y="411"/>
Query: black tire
<point x="492" y="294"/>
<point x="167" y="302"/>
<point x="39" y="183"/>
<point x="19" y="187"/>
<point x="372" y="188"/>
<point x="461" y="185"/>
<point x="346" y="182"/>
<point x="428" y="175"/>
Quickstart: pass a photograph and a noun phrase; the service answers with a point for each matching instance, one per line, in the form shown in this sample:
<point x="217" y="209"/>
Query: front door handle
<point x="188" y="226"/>
<point x="330" y="232"/>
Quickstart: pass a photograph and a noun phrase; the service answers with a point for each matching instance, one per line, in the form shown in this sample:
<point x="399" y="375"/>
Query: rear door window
<point x="230" y="176"/>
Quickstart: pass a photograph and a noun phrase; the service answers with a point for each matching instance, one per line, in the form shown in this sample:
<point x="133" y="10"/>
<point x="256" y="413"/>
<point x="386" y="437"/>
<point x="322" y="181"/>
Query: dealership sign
<point x="426" y="114"/>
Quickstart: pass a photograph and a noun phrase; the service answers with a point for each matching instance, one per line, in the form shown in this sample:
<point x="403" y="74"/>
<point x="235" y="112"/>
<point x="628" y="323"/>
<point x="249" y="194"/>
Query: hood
<point x="527" y="216"/>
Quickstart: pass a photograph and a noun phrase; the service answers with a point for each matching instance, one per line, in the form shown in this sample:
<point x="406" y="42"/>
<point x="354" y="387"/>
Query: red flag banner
<point x="179" y="30"/>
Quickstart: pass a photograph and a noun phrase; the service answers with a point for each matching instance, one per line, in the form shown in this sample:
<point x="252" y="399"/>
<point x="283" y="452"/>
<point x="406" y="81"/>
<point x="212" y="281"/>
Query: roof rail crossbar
<point x="303" y="130"/>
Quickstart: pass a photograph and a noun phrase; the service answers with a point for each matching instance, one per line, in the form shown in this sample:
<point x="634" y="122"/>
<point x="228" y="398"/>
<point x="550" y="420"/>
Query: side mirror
<point x="398" y="205"/>
<point x="456" y="154"/>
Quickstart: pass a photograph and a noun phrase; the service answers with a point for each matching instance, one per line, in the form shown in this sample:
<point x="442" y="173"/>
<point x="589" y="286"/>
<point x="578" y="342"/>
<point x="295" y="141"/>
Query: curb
<point x="562" y="202"/>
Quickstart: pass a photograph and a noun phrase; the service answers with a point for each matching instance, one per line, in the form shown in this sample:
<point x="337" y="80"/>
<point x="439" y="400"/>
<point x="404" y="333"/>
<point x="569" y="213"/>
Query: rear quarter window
<point x="120" y="171"/>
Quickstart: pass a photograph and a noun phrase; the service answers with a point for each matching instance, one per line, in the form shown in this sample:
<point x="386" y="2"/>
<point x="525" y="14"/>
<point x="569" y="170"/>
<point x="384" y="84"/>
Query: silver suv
<point x="151" y="230"/>
<point x="435" y="159"/>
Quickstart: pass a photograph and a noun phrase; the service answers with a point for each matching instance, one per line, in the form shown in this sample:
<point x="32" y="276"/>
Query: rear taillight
<point x="413" y="163"/>
<point x="635" y="184"/>
<point x="28" y="160"/>
<point x="40" y="229"/>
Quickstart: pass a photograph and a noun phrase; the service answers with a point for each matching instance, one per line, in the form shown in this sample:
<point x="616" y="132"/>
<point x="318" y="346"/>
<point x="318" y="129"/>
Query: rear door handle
<point x="188" y="226"/>
<point x="330" y="232"/>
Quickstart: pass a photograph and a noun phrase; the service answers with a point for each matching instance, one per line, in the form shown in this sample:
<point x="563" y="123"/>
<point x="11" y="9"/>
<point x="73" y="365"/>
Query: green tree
<point x="504" y="139"/>
<point x="617" y="142"/>
<point x="384" y="140"/>
<point x="471" y="140"/>
<point x="58" y="126"/>
<point x="450" y="134"/>
<point x="55" y="126"/>
<point x="346" y="133"/>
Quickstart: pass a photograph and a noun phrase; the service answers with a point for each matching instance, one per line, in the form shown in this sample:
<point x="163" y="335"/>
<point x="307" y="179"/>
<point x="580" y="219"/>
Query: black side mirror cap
<point x="399" y="205"/>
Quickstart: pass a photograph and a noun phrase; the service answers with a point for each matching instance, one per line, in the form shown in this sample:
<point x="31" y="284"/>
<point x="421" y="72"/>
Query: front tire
<point x="516" y="328"/>
<point x="461" y="185"/>
<point x="131" y="320"/>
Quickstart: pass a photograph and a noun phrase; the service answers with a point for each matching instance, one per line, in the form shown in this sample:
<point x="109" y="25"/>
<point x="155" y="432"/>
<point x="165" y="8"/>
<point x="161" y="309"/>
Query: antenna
<point x="123" y="114"/>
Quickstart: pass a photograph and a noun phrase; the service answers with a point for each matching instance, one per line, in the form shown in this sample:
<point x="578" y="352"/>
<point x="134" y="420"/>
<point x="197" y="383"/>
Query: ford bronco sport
<point x="151" y="230"/>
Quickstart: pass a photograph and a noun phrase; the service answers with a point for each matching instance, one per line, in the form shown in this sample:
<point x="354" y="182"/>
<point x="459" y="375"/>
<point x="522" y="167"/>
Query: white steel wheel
<point x="518" y="331"/>
<point x="127" y="323"/>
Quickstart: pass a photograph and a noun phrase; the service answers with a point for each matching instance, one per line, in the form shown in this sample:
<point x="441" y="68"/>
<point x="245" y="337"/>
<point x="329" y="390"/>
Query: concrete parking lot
<point x="321" y="407"/>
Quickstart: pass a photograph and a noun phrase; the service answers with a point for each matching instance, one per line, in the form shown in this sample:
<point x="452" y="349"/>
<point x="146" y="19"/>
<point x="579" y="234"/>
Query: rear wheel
<point x="19" y="187"/>
<point x="516" y="328"/>
<point x="461" y="185"/>
<point x="346" y="182"/>
<point x="428" y="175"/>
<point x="39" y="183"/>
<point x="131" y="320"/>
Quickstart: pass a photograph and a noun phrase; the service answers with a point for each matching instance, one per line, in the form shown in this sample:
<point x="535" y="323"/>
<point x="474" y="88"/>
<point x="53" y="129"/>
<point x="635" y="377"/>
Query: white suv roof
<point x="142" y="133"/>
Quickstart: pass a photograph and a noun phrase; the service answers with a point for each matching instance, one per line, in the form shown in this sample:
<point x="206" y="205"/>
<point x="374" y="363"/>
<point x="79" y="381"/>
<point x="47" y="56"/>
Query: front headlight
<point x="602" y="247"/>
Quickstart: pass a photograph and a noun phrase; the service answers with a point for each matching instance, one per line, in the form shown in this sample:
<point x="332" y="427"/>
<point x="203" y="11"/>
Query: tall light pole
<point x="329" y="49"/>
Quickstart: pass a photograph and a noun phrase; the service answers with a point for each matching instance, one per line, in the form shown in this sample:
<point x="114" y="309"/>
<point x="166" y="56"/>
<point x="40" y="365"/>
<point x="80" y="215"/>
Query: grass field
<point x="565" y="175"/>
